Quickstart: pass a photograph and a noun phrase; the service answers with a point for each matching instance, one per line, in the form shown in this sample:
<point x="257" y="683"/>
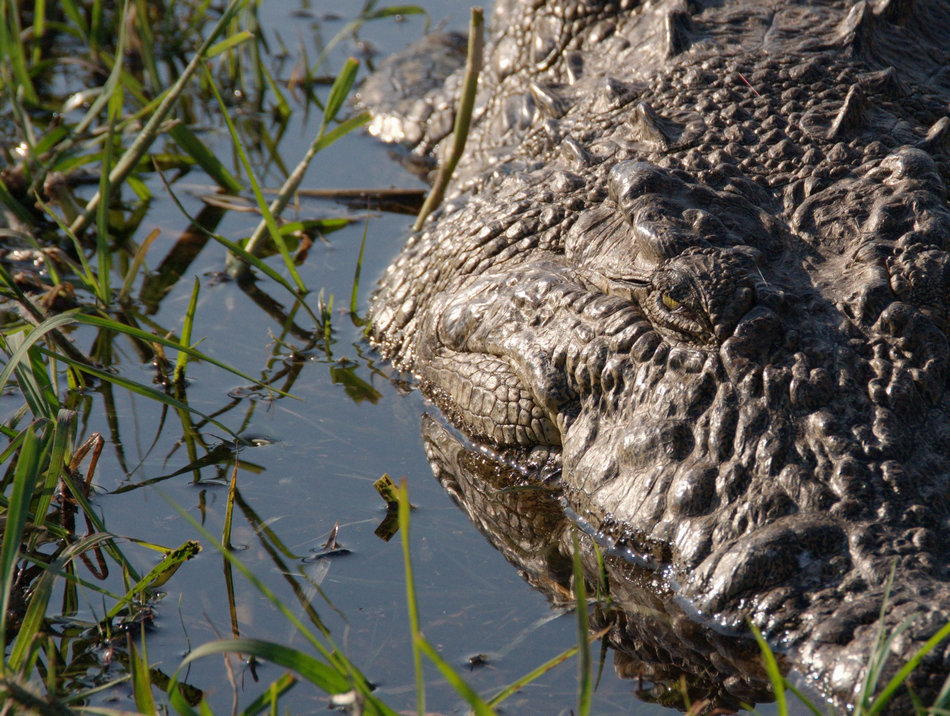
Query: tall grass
<point x="134" y="124"/>
<point x="154" y="70"/>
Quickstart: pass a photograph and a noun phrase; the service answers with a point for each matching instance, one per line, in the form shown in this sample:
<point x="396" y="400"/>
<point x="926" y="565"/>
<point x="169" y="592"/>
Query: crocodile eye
<point x="680" y="319"/>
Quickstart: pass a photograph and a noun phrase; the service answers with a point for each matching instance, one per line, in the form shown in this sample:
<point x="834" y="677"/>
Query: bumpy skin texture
<point x="654" y="640"/>
<point x="701" y="249"/>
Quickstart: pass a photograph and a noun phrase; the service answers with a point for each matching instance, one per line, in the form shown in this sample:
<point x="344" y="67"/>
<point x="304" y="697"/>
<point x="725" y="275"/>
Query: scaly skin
<point x="654" y="639"/>
<point x="701" y="249"/>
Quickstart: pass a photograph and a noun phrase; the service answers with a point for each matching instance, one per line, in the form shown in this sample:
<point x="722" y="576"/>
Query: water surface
<point x="352" y="421"/>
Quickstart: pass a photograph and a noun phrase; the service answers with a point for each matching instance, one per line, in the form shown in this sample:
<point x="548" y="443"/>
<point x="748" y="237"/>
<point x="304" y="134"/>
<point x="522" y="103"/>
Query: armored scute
<point x="695" y="261"/>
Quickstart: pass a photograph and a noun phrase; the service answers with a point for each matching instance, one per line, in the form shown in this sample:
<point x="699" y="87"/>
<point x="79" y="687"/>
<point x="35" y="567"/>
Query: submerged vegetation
<point x="103" y="106"/>
<point x="102" y="103"/>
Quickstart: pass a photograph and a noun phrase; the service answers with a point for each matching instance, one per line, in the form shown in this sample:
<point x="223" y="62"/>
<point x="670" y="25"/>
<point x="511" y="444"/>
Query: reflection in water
<point x="676" y="660"/>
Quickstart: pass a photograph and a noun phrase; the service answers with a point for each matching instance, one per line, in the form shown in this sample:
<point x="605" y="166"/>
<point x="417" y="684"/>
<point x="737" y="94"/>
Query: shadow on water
<point x="290" y="479"/>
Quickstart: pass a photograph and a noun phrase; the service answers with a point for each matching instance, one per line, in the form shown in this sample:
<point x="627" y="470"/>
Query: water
<point x="319" y="457"/>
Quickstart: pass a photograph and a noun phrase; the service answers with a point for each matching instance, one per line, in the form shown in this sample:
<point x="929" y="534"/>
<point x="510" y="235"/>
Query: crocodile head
<point x="704" y="255"/>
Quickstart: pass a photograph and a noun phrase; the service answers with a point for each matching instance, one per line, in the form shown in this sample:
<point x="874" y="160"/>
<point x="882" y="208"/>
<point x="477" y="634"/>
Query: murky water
<point x="321" y="454"/>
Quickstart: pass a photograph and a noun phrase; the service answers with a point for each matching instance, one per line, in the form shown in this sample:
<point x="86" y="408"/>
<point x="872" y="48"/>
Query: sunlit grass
<point x="139" y="125"/>
<point x="135" y="126"/>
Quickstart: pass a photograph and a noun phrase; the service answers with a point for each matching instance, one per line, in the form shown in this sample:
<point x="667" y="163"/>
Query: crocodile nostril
<point x="705" y="224"/>
<point x="659" y="240"/>
<point x="632" y="179"/>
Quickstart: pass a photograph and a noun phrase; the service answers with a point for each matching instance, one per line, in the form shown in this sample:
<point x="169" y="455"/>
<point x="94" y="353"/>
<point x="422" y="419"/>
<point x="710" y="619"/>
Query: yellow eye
<point x="670" y="302"/>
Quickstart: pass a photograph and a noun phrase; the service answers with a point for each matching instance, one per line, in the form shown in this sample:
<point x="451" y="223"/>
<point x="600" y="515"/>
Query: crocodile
<point x="675" y="658"/>
<point x="693" y="271"/>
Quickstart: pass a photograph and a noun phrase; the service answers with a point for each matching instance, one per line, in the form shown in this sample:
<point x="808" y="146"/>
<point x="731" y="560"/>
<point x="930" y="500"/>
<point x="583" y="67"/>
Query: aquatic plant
<point x="82" y="290"/>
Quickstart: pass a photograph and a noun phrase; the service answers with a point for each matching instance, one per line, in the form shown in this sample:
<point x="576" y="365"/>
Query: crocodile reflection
<point x="655" y="642"/>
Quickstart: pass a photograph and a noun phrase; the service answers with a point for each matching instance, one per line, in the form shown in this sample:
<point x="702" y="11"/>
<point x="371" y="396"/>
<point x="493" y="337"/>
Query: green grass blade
<point x="463" y="116"/>
<point x="772" y="670"/>
<point x="6" y="198"/>
<point x="77" y="17"/>
<point x="97" y="29"/>
<point x="282" y="109"/>
<point x="233" y="248"/>
<point x="901" y="676"/>
<point x="49" y="141"/>
<point x="39" y="29"/>
<point x="158" y="575"/>
<point x="404" y="508"/>
<point x="16" y="699"/>
<point x="79" y="495"/>
<point x="87" y="274"/>
<point x="343" y="665"/>
<point x="341" y="130"/>
<point x="268" y="216"/>
<point x="879" y="653"/>
<point x="32" y="379"/>
<point x="359" y="266"/>
<point x="80" y="130"/>
<point x="146" y="391"/>
<point x="181" y="361"/>
<point x="340" y="90"/>
<point x="60" y="445"/>
<point x="536" y="673"/>
<point x="585" y="688"/>
<point x="146" y="44"/>
<point x="13" y="51"/>
<point x="25" y="648"/>
<point x="115" y="107"/>
<point x="25" y="475"/>
<point x="136" y="264"/>
<point x="108" y="324"/>
<point x="205" y="158"/>
<point x="229" y="508"/>
<point x="254" y="244"/>
<point x="151" y="130"/>
<point x="141" y="679"/>
<point x="455" y="681"/>
<point x="16" y="439"/>
<point x="313" y="670"/>
<point x="943" y="698"/>
<point x="229" y="43"/>
<point x="278" y="688"/>
<point x="878" y="659"/>
<point x="143" y="390"/>
<point x="22" y="351"/>
<point x="176" y="700"/>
